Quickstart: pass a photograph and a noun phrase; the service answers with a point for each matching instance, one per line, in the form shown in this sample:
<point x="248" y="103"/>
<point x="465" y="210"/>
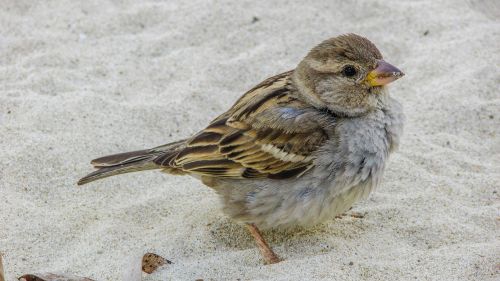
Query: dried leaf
<point x="2" y="275"/>
<point x="151" y="262"/>
<point x="52" y="277"/>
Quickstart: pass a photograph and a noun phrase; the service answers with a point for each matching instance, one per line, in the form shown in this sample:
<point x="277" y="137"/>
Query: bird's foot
<point x="269" y="256"/>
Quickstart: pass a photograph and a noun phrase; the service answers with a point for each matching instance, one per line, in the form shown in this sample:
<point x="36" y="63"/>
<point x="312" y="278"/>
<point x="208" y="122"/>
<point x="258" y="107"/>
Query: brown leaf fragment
<point x="2" y="275"/>
<point x="151" y="262"/>
<point x="52" y="277"/>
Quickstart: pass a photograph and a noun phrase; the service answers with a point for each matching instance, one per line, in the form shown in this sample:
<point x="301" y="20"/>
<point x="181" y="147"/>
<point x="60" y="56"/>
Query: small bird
<point x="297" y="149"/>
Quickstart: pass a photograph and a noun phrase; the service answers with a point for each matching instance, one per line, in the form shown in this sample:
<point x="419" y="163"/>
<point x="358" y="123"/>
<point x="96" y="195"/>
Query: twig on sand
<point x="52" y="277"/>
<point x="2" y="274"/>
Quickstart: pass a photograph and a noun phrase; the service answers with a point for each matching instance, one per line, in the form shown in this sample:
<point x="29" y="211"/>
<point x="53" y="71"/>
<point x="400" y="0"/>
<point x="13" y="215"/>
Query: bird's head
<point x="344" y="74"/>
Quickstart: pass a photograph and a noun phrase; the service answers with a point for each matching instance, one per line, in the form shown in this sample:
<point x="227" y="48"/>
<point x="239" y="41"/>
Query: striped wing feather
<point x="267" y="133"/>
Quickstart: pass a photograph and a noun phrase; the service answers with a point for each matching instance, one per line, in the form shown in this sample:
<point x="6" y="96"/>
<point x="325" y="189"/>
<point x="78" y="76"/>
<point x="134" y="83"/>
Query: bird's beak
<point x="383" y="74"/>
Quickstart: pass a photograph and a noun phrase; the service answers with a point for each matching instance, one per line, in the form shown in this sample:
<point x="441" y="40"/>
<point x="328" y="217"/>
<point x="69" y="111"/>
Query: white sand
<point x="79" y="81"/>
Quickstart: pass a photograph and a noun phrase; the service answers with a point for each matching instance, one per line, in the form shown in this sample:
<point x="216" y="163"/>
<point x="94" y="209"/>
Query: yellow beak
<point x="383" y="74"/>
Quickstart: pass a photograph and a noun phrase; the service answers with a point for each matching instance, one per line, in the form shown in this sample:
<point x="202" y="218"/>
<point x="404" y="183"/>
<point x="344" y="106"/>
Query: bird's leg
<point x="269" y="256"/>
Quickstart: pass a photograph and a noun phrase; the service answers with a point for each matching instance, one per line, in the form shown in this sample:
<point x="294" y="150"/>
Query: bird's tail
<point x="128" y="162"/>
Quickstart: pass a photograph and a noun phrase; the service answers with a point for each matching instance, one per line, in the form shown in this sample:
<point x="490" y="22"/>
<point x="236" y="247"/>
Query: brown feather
<point x="119" y="158"/>
<point x="205" y="138"/>
<point x="251" y="140"/>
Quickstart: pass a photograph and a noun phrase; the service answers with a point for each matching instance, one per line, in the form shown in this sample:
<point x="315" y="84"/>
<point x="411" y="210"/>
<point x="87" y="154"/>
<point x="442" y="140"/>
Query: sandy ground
<point x="81" y="80"/>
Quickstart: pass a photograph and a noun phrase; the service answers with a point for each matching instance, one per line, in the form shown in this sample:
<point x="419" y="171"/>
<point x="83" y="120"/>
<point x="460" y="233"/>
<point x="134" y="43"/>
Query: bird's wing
<point x="267" y="133"/>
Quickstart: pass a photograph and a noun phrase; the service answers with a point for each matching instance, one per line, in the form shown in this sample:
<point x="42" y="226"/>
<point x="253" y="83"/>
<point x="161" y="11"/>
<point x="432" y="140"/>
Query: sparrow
<point x="298" y="149"/>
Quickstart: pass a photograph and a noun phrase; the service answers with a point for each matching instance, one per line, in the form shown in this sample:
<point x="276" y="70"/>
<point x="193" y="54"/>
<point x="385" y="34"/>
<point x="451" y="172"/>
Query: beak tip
<point x="398" y="74"/>
<point x="383" y="74"/>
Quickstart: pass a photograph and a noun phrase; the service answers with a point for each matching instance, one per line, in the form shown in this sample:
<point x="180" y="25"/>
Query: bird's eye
<point x="349" y="71"/>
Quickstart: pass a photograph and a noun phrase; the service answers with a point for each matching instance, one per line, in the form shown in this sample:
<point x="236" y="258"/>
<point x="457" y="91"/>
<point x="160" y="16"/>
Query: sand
<point x="81" y="80"/>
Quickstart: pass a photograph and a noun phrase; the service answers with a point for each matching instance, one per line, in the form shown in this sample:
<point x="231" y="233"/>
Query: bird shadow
<point x="228" y="233"/>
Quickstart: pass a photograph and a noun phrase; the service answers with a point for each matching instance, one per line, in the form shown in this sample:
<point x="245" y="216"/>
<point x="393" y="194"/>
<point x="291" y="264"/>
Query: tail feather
<point x="128" y="162"/>
<point x="121" y="158"/>
<point x="119" y="169"/>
